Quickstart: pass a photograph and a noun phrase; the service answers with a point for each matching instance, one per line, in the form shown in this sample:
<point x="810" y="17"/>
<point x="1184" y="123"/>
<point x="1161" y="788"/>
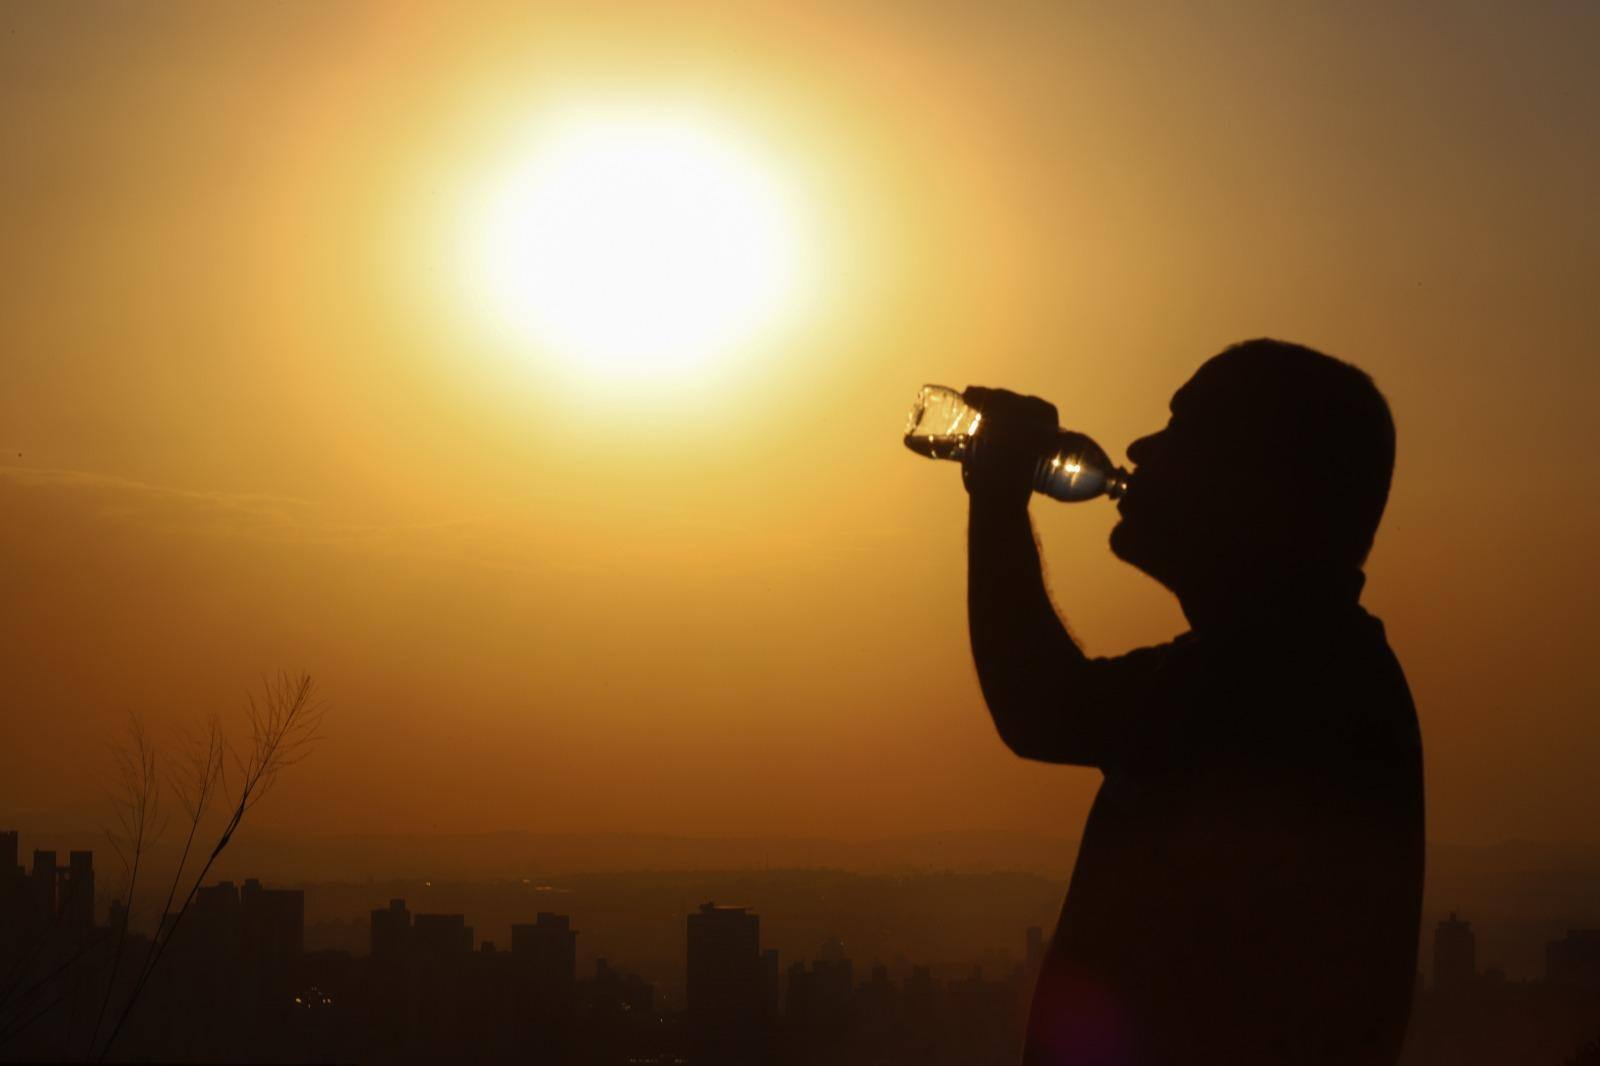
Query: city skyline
<point x="427" y="983"/>
<point x="66" y="891"/>
<point x="252" y="425"/>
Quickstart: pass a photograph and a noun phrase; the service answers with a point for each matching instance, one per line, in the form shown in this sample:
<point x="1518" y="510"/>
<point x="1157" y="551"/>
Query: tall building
<point x="769" y="982"/>
<point x="252" y="924"/>
<point x="724" y="975"/>
<point x="391" y="932"/>
<point x="546" y="954"/>
<point x="1574" y="960"/>
<point x="875" y="1001"/>
<point x="220" y="895"/>
<point x="42" y="883"/>
<point x="832" y="985"/>
<point x="212" y="923"/>
<point x="272" y="921"/>
<point x="921" y="994"/>
<point x="1455" y="954"/>
<point x="75" y="892"/>
<point x="15" y="898"/>
<point x="797" y="992"/>
<point x="441" y="936"/>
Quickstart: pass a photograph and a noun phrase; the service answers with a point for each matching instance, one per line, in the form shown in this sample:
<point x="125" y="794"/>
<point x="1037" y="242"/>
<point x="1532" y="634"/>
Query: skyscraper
<point x="1455" y="954"/>
<point x="441" y="936"/>
<point x="832" y="985"/>
<point x="1575" y="959"/>
<point x="272" y="921"/>
<point x="726" y="993"/>
<point x="75" y="895"/>
<point x="546" y="954"/>
<point x="15" y="901"/>
<point x="391" y="932"/>
<point x="769" y="982"/>
<point x="724" y="976"/>
<point x="43" y="885"/>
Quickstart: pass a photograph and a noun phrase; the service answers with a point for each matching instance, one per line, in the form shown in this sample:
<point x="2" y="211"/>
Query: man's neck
<point x="1232" y="597"/>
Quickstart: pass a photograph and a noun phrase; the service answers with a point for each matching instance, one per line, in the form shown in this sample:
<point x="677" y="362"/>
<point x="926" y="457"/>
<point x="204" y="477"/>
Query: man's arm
<point x="1042" y="692"/>
<point x="1025" y="657"/>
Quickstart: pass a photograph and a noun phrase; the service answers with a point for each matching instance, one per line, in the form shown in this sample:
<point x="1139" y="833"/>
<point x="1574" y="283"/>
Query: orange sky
<point x="246" y="424"/>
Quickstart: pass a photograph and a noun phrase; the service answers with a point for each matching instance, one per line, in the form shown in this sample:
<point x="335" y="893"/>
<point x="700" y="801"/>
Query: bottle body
<point x="944" y="426"/>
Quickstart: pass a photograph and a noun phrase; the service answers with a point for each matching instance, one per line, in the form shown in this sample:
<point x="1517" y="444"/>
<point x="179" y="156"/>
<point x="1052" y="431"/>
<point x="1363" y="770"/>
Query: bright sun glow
<point x="638" y="243"/>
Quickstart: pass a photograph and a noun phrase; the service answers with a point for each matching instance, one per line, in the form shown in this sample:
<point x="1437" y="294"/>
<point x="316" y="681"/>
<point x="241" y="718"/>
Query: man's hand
<point x="1015" y="432"/>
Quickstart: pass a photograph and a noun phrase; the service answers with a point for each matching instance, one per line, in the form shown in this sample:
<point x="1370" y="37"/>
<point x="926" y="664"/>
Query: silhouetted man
<point x="1249" y="882"/>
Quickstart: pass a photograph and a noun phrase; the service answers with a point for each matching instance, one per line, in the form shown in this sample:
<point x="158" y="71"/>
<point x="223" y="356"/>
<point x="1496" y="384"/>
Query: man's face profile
<point x="1275" y="463"/>
<point x="1180" y="508"/>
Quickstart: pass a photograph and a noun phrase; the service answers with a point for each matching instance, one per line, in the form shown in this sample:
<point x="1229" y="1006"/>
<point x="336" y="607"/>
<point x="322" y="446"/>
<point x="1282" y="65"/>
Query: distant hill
<point x="307" y="858"/>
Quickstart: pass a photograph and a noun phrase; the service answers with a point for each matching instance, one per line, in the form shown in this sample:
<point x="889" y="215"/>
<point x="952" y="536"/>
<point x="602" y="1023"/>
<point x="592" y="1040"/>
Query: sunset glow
<point x="535" y="376"/>
<point x="463" y="542"/>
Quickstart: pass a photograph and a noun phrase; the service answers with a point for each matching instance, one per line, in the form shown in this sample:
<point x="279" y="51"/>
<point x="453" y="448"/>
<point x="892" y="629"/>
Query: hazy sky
<point x="251" y="421"/>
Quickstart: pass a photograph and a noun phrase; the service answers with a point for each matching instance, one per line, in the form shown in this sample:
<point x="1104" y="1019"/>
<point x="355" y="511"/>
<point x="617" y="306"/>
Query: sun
<point x="638" y="242"/>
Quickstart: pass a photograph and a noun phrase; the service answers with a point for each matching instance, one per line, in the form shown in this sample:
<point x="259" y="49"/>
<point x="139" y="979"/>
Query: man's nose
<point x="1139" y="451"/>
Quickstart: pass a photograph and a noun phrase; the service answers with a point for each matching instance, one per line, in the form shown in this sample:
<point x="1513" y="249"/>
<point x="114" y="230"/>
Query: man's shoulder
<point x="1329" y="680"/>
<point x="1374" y="681"/>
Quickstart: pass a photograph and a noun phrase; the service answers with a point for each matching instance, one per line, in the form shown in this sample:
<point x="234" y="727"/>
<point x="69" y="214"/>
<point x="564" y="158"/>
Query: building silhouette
<point x="545" y="955"/>
<point x="390" y="934"/>
<point x="75" y="892"/>
<point x="724" y="963"/>
<point x="255" y="925"/>
<point x="239" y="985"/>
<point x="48" y="896"/>
<point x="725" y="996"/>
<point x="440" y="936"/>
<point x="1574" y="961"/>
<point x="272" y="921"/>
<point x="43" y="878"/>
<point x="1455" y="954"/>
<point x="14" y="890"/>
<point x="770" y="984"/>
<point x="822" y="1000"/>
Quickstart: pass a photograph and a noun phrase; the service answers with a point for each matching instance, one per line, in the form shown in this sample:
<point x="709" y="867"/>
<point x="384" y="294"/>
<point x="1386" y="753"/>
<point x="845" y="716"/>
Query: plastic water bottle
<point x="944" y="426"/>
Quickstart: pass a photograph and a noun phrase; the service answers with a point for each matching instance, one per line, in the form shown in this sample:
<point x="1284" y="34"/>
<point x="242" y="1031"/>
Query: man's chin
<point x="1123" y="542"/>
<point x="1127" y="545"/>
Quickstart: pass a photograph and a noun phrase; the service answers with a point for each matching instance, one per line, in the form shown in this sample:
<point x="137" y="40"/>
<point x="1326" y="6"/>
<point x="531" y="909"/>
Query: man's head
<point x="1276" y="462"/>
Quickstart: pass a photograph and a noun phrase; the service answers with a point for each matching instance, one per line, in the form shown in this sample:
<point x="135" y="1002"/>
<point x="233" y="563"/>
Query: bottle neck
<point x="1076" y="468"/>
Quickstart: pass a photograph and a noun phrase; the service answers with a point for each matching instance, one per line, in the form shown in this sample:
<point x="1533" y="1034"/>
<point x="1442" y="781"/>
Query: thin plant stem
<point x="283" y="724"/>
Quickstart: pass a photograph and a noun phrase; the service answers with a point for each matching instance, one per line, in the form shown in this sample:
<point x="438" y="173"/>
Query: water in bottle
<point x="944" y="426"/>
